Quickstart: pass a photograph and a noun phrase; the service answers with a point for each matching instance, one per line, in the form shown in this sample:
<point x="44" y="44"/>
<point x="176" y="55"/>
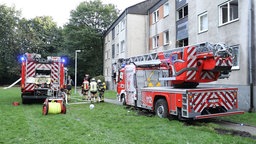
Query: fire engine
<point x="167" y="82"/>
<point x="40" y="77"/>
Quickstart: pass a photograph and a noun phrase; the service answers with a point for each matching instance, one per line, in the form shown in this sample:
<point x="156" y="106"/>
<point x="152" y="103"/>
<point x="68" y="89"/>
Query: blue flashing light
<point x="63" y="60"/>
<point x="22" y="58"/>
<point x="123" y="65"/>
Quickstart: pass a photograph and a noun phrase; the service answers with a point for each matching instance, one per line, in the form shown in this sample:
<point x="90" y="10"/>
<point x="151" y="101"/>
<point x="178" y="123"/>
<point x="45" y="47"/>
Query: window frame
<point x="155" y="16"/>
<point x="155" y="42"/>
<point x="166" y="41"/>
<point x="122" y="46"/>
<point x="113" y="51"/>
<point x="166" y="9"/>
<point x="113" y="34"/>
<point x="183" y="12"/>
<point x="237" y="67"/>
<point x="117" y="49"/>
<point x="199" y="22"/>
<point x="122" y="24"/>
<point x="228" y="13"/>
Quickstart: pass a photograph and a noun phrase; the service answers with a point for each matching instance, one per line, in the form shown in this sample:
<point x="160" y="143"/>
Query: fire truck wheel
<point x="64" y="110"/>
<point x="45" y="109"/>
<point x="123" y="100"/>
<point x="161" y="109"/>
<point x="24" y="101"/>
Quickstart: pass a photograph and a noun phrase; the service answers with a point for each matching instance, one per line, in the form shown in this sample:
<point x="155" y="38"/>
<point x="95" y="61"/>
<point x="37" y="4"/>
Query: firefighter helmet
<point x="98" y="81"/>
<point x="93" y="79"/>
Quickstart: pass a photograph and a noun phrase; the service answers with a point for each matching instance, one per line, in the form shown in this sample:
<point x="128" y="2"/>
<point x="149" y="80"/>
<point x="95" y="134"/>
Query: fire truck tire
<point x="45" y="109"/>
<point x="161" y="109"/>
<point x="64" y="109"/>
<point x="180" y="118"/>
<point x="123" y="100"/>
<point x="24" y="101"/>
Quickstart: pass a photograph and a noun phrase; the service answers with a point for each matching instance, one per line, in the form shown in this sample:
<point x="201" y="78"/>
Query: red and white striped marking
<point x="191" y="62"/>
<point x="55" y="76"/>
<point x="223" y="62"/>
<point x="202" y="100"/>
<point x="207" y="75"/>
<point x="43" y="66"/>
<point x="30" y="72"/>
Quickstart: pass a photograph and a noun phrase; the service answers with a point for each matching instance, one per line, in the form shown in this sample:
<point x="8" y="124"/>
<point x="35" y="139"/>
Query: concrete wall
<point x="232" y="34"/>
<point x="136" y="34"/>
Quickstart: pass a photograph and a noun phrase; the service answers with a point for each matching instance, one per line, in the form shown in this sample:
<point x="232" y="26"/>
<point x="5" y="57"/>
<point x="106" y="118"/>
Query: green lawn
<point x="110" y="94"/>
<point x="106" y="124"/>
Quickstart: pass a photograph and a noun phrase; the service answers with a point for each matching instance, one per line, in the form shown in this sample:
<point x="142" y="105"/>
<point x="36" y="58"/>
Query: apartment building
<point x="169" y="24"/>
<point x="126" y="37"/>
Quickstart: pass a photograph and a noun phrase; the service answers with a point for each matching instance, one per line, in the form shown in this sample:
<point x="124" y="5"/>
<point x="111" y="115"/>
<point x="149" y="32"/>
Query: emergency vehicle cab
<point x="40" y="77"/>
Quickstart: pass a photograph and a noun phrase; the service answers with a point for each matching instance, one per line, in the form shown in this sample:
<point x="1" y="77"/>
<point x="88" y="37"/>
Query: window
<point x="166" y="38"/>
<point x="166" y="9"/>
<point x="123" y="24"/>
<point x="122" y="46"/>
<point x="182" y="12"/>
<point x="117" y="29"/>
<point x="228" y="12"/>
<point x="113" y="33"/>
<point x="107" y="54"/>
<point x="117" y="49"/>
<point x="113" y="51"/>
<point x="155" y="41"/>
<point x="235" y="54"/>
<point x="155" y="16"/>
<point x="182" y="43"/>
<point x="203" y="22"/>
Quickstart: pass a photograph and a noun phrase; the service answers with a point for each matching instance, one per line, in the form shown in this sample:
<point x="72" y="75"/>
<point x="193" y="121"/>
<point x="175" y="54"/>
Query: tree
<point x="39" y="35"/>
<point x="9" y="18"/>
<point x="85" y="32"/>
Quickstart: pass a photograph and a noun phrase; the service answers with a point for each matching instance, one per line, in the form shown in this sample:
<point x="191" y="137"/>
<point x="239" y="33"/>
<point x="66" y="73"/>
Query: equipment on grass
<point x="54" y="105"/>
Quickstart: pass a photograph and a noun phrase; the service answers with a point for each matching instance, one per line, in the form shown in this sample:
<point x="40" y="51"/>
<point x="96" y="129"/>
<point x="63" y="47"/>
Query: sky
<point x="58" y="9"/>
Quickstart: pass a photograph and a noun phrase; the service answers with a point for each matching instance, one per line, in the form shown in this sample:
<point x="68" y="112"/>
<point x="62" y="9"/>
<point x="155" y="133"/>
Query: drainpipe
<point x="250" y="54"/>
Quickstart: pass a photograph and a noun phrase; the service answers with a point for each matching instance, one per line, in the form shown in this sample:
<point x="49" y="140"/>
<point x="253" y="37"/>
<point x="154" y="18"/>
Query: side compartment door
<point x="130" y="85"/>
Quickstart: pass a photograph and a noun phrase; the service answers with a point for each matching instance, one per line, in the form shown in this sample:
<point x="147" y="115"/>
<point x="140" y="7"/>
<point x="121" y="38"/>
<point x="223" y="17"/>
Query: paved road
<point x="113" y="101"/>
<point x="238" y="127"/>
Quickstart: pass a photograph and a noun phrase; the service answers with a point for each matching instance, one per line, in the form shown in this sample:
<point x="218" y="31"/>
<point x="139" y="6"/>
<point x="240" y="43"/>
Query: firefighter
<point x="101" y="89"/>
<point x="69" y="86"/>
<point x="87" y="77"/>
<point x="93" y="90"/>
<point x="85" y="88"/>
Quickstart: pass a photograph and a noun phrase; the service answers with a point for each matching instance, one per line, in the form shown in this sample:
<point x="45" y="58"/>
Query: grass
<point x="247" y="118"/>
<point x="110" y="94"/>
<point x="105" y="124"/>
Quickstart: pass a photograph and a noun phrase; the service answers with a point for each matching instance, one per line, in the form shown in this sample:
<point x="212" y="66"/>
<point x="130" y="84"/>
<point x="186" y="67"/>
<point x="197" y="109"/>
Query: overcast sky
<point x="58" y="9"/>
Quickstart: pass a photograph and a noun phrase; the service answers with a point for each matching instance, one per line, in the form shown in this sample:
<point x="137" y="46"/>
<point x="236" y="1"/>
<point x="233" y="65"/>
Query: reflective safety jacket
<point x="93" y="86"/>
<point x="86" y="85"/>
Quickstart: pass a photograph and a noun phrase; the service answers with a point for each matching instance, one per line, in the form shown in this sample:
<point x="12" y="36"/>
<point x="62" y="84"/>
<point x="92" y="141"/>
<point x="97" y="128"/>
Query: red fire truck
<point x="40" y="77"/>
<point x="166" y="82"/>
